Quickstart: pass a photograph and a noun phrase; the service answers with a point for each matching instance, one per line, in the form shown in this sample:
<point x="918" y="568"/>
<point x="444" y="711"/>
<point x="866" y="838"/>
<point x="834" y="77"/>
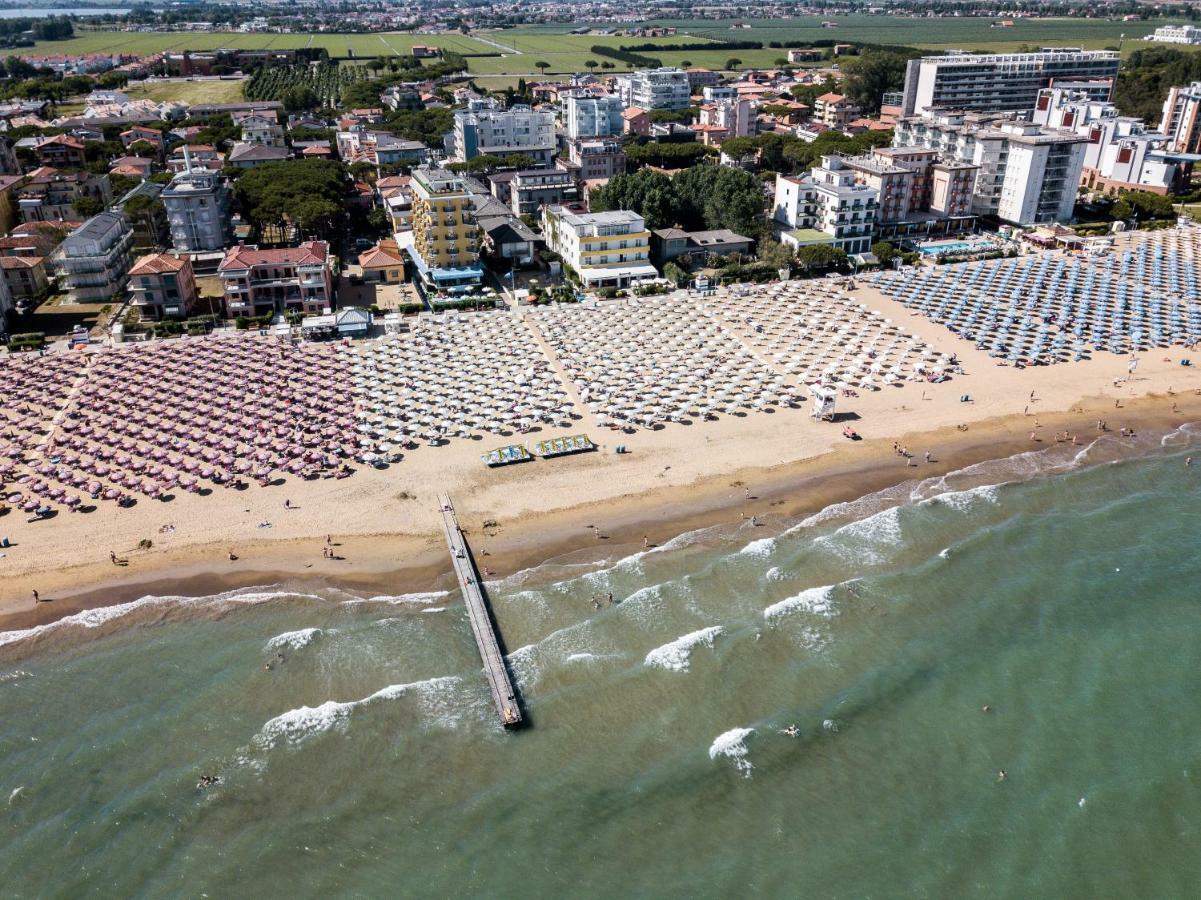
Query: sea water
<point x="1060" y="590"/>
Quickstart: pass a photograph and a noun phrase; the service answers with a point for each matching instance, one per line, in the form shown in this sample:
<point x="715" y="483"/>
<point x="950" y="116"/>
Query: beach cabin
<point x="823" y="403"/>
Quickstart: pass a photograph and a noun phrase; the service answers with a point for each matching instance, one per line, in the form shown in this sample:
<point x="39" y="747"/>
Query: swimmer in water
<point x="791" y="731"/>
<point x="986" y="708"/>
<point x="1001" y="775"/>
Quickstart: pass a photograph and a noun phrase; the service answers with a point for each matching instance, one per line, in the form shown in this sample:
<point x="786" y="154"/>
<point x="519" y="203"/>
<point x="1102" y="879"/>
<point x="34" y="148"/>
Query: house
<point x="196" y="156"/>
<point x="25" y="275"/>
<point x="396" y="195"/>
<point x="132" y="166"/>
<point x="49" y="194"/>
<point x="670" y="243"/>
<point x="264" y="282"/>
<point x="260" y="128"/>
<point x="383" y="263"/>
<point x="151" y="136"/>
<point x="61" y="151"/>
<point x="162" y="286"/>
<point x="636" y="121"/>
<point x="834" y="110"/>
<point x="247" y="156"/>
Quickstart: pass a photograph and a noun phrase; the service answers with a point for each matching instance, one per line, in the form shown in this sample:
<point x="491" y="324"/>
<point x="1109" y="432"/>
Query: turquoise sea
<point x="1060" y="589"/>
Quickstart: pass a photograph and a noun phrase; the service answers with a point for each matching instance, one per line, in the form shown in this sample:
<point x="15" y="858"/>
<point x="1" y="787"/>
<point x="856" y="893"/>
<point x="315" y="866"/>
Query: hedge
<point x="634" y="59"/>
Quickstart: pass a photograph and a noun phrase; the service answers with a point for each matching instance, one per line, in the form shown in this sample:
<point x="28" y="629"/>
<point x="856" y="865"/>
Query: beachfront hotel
<point x="605" y="249"/>
<point x="444" y="242"/>
<point x="162" y="286"/>
<point x="827" y="206"/>
<point x="289" y="279"/>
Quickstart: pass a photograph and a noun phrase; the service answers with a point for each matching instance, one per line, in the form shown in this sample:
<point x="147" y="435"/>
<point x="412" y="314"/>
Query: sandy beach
<point x="385" y="527"/>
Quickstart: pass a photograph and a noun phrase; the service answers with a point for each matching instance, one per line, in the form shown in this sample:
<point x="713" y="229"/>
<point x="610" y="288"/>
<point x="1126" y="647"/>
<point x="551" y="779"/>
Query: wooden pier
<point x="504" y="692"/>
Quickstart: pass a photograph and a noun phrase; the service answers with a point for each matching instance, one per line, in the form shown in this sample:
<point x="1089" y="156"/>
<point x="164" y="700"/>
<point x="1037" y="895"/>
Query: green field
<point x="566" y="53"/>
<point x="362" y="45"/>
<point x="190" y="92"/>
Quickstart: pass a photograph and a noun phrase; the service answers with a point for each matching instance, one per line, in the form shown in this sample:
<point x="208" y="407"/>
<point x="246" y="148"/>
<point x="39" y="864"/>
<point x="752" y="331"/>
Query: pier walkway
<point x="504" y="692"/>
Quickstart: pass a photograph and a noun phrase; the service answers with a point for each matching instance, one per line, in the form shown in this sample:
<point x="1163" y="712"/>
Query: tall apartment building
<point x="531" y="189"/>
<point x="827" y="206"/>
<point x="264" y="282"/>
<point x="197" y="203"/>
<point x="999" y="82"/>
<point x="162" y="286"/>
<point x="586" y="116"/>
<point x="605" y="249"/>
<point x="736" y="118"/>
<point x="445" y="246"/>
<point x="93" y="260"/>
<point x="484" y="129"/>
<point x="662" y="88"/>
<point x="1181" y="118"/>
<point x="1122" y="153"/>
<point x="916" y="191"/>
<point x="1176" y="34"/>
<point x="834" y="110"/>
<point x="1027" y="175"/>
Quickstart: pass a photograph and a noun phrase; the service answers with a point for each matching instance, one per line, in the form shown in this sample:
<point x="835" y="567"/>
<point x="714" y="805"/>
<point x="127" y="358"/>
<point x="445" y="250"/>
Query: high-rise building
<point x="1122" y="153"/>
<point x="197" y="205"/>
<point x="1181" y="119"/>
<point x="445" y="246"/>
<point x="586" y="116"/>
<point x="662" y="88"/>
<point x="1028" y="174"/>
<point x="484" y="129"/>
<point x="1003" y="82"/>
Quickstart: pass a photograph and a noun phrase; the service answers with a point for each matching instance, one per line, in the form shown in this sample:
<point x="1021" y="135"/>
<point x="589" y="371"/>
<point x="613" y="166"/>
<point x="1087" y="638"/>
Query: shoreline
<point x="391" y="564"/>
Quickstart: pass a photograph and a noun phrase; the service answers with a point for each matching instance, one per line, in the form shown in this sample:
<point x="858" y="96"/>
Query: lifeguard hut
<point x="823" y="403"/>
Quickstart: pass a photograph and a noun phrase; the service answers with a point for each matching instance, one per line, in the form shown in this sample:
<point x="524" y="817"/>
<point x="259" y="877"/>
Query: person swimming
<point x="791" y="731"/>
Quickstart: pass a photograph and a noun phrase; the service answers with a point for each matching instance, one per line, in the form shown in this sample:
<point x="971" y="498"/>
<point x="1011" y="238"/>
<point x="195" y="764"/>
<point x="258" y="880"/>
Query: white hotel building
<point x="662" y="88"/>
<point x="605" y="249"/>
<point x="588" y="116"/>
<point x="826" y="206"/>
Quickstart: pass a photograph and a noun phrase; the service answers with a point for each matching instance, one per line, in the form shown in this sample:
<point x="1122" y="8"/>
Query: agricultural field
<point x="566" y="53"/>
<point x="209" y="90"/>
<point x="361" y="45"/>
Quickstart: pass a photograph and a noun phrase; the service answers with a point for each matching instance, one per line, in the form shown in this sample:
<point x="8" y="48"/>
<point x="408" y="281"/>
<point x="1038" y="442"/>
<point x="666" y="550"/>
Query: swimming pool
<point x="954" y="247"/>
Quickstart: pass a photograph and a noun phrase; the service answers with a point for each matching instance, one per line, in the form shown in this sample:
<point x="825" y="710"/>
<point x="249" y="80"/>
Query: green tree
<point x="299" y="98"/>
<point x="885" y="252"/>
<point x="868" y="76"/>
<point x="591" y="65"/>
<point x="542" y="66"/>
<point x="87" y="206"/>
<point x="646" y="192"/>
<point x="733" y="63"/>
<point x="821" y="257"/>
<point x="775" y="254"/>
<point x="1142" y="205"/>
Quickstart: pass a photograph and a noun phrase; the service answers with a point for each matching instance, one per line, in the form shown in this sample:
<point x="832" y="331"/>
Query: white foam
<point x="14" y="675"/>
<point x="293" y="640"/>
<point x="775" y="573"/>
<point x="675" y="656"/>
<point x="95" y="618"/>
<point x="761" y="547"/>
<point x="965" y="500"/>
<point x="303" y="723"/>
<point x="867" y="541"/>
<point x="732" y="745"/>
<point x="817" y="600"/>
<point x="419" y="597"/>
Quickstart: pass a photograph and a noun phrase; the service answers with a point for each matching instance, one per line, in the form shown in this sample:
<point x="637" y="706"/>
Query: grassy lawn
<point x="190" y="92"/>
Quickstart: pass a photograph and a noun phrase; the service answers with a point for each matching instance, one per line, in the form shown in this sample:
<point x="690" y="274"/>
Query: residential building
<point x="162" y="286"/>
<point x="48" y="194"/>
<point x="25" y="276"/>
<point x="198" y="205"/>
<point x="1176" y="34"/>
<point x="826" y="206"/>
<point x="61" y="151"/>
<point x="483" y="129"/>
<point x="605" y="249"/>
<point x="135" y="133"/>
<point x="671" y="243"/>
<point x="996" y="82"/>
<point x="1122" y="153"/>
<point x="662" y="88"/>
<point x="636" y="121"/>
<point x="597" y="160"/>
<point x="587" y="116"/>
<point x="248" y="156"/>
<point x="380" y="148"/>
<point x="834" y="110"/>
<point x="396" y="194"/>
<point x="260" y="128"/>
<point x="917" y="192"/>
<point x="1181" y="118"/>
<point x="196" y="156"/>
<point x="445" y="245"/>
<point x="718" y="93"/>
<point x="383" y="263"/>
<point x="264" y="282"/>
<point x="1028" y="174"/>
<point x="532" y="189"/>
<point x="699" y="79"/>
<point x="735" y="117"/>
<point x="93" y="260"/>
<point x="8" y="201"/>
<point x="803" y="56"/>
<point x="6" y="307"/>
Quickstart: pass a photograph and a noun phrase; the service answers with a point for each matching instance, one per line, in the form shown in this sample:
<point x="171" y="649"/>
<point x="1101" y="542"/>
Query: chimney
<point x="187" y="159"/>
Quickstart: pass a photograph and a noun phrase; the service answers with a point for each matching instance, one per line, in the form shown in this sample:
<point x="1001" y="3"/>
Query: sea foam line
<point x="732" y="745"/>
<point x="816" y="600"/>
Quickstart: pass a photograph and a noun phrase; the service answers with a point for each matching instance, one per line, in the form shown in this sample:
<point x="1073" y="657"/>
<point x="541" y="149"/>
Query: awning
<point x="602" y="273"/>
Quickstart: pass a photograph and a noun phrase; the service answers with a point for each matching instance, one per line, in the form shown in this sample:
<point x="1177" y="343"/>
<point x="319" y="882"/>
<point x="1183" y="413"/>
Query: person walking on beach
<point x="112" y="557"/>
<point x="36" y="598"/>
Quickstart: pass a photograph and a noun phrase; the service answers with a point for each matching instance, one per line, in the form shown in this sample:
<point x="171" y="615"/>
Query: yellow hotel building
<point x="445" y="246"/>
<point x="606" y="249"/>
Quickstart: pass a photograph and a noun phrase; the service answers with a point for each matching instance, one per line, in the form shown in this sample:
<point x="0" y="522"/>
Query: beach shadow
<point x="846" y="417"/>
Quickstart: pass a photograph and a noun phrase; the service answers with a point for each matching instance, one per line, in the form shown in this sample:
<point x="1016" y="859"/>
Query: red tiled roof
<point x="20" y="262"/>
<point x="157" y="264"/>
<point x="308" y="253"/>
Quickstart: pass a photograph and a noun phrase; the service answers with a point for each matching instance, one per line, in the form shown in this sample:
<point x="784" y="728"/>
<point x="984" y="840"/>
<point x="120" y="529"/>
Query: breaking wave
<point x="676" y="655"/>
